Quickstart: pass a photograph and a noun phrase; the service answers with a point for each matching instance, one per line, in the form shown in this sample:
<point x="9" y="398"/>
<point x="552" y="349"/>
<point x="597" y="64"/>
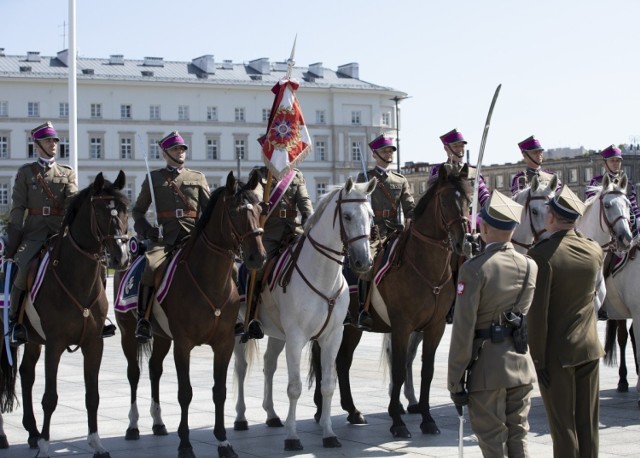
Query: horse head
<point x="606" y="218"/>
<point x="355" y="214"/>
<point x="533" y="199"/>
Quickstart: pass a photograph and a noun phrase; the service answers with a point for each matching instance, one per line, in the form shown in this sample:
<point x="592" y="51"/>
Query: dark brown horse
<point x="71" y="305"/>
<point x="415" y="295"/>
<point x="200" y="307"/>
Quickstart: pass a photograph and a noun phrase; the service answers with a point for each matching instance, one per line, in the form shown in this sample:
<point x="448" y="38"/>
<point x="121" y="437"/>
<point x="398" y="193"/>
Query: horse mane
<point x="79" y="198"/>
<point x="322" y="204"/>
<point x="461" y="185"/>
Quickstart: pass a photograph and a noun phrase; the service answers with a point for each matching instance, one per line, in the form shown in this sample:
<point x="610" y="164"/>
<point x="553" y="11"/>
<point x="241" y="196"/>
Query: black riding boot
<point x="254" y="330"/>
<point x="143" y="327"/>
<point x="18" y="334"/>
<point x="365" y="321"/>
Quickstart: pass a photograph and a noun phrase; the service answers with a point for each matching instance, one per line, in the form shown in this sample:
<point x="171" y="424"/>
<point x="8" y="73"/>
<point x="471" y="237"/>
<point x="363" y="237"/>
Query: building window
<point x="4" y="193"/>
<point x="321" y="150"/>
<point x="4" y="108"/>
<point x="33" y="109"/>
<point x="499" y="181"/>
<point x="588" y="174"/>
<point x="126" y="148"/>
<point x="213" y="185"/>
<point x="573" y="175"/>
<point x="64" y="110"/>
<point x="627" y="170"/>
<point x="321" y="189"/>
<point x="356" y="118"/>
<point x="212" y="113"/>
<point x="154" y="147"/>
<point x="266" y="112"/>
<point x="240" y="148"/>
<point x="4" y="146"/>
<point x="31" y="148"/>
<point x="154" y="112"/>
<point x="212" y="149"/>
<point x="423" y="187"/>
<point x="320" y="117"/>
<point x="95" y="148"/>
<point x="183" y="112"/>
<point x="63" y="147"/>
<point x="128" y="189"/>
<point x="96" y="110"/>
<point x="125" y="111"/>
<point x="386" y="119"/>
<point x="356" y="151"/>
<point x="240" y="115"/>
<point x="559" y="175"/>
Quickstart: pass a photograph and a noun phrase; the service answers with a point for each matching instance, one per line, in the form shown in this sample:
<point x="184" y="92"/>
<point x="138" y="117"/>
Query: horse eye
<point x="534" y="211"/>
<point x="347" y="217"/>
<point x="607" y="205"/>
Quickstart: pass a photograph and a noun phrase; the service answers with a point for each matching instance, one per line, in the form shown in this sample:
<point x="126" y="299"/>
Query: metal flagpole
<point x="73" y="90"/>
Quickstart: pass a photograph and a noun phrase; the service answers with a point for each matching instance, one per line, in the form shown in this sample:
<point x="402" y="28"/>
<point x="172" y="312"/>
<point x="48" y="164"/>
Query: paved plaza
<point x="619" y="414"/>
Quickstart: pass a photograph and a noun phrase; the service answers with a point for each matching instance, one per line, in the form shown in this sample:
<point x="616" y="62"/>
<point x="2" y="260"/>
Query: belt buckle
<point x="283" y="213"/>
<point x="46" y="211"/>
<point x="386" y="213"/>
<point x="179" y="213"/>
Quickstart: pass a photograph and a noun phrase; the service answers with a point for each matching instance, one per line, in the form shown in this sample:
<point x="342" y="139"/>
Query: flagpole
<point x="73" y="91"/>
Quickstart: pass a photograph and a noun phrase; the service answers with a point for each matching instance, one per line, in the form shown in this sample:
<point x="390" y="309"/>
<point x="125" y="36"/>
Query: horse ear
<point x="534" y="184"/>
<point x="231" y="183"/>
<point x="348" y="186"/>
<point x="254" y="179"/>
<point x="98" y="183"/>
<point x="371" y="185"/>
<point x="464" y="172"/>
<point x="442" y="173"/>
<point x="120" y="181"/>
<point x="605" y="181"/>
<point x="623" y="182"/>
<point x="553" y="184"/>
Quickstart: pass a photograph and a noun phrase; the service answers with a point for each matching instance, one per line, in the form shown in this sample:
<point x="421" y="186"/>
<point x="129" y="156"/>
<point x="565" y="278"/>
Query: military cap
<point x="530" y="144"/>
<point x="611" y="151"/>
<point x="43" y="131"/>
<point x="171" y="140"/>
<point x="453" y="136"/>
<point x="501" y="212"/>
<point x="382" y="141"/>
<point x="567" y="204"/>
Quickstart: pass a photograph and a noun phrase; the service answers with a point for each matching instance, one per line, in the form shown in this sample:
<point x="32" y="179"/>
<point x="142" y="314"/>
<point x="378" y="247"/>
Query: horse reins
<point x="603" y="216"/>
<point x="536" y="234"/>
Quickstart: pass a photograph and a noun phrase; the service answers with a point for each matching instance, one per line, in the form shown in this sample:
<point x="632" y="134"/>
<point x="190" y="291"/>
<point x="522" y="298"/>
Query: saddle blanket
<point x="244" y="275"/>
<point x="127" y="297"/>
<point x="163" y="289"/>
<point x="387" y="256"/>
<point x="37" y="283"/>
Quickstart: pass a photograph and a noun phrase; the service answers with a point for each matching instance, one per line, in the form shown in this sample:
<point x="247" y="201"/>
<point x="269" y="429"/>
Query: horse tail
<point x="610" y="357"/>
<point x="246" y="351"/>
<point x="144" y="353"/>
<point x="8" y="375"/>
<point x="315" y="364"/>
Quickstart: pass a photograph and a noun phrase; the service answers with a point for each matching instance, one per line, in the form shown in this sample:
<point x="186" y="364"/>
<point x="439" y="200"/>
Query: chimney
<point x="317" y="70"/>
<point x="351" y="70"/>
<point x="33" y="56"/>
<point x="63" y="56"/>
<point x="153" y="62"/>
<point x="227" y="64"/>
<point x="205" y="63"/>
<point x="116" y="59"/>
<point x="261" y="65"/>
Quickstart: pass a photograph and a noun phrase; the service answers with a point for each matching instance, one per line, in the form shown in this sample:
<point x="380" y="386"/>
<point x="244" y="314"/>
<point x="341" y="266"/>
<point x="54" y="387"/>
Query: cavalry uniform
<point x="563" y="336"/>
<point x="500" y="380"/>
<point x="522" y="179"/>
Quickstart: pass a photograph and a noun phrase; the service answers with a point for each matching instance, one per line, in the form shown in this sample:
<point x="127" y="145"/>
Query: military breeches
<point x="155" y="255"/>
<point x="499" y="420"/>
<point x="25" y="254"/>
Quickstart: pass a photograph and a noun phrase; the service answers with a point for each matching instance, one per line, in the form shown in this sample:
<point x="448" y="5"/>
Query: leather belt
<point x="486" y="333"/>
<point x="46" y="211"/>
<point x="287" y="213"/>
<point x="385" y="213"/>
<point x="178" y="213"/>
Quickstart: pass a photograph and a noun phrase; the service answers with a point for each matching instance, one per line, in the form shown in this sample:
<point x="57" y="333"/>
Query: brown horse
<point x="400" y="306"/>
<point x="200" y="307"/>
<point x="71" y="305"/>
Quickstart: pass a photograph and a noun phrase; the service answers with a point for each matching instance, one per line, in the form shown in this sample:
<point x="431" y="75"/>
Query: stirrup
<point x="365" y="322"/>
<point x="238" y="330"/>
<point x="18" y="334"/>
<point x="109" y="330"/>
<point x="143" y="330"/>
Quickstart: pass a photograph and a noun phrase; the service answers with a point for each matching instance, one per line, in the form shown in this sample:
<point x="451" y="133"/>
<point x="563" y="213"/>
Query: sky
<point x="569" y="69"/>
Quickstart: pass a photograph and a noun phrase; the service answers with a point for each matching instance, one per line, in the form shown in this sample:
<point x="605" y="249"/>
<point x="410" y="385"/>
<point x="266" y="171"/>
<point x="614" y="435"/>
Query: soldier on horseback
<point x="42" y="190"/>
<point x="181" y="194"/>
<point x="392" y="193"/>
<point x="532" y="152"/>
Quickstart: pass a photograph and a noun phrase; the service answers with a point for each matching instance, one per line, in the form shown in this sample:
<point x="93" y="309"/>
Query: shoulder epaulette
<point x="398" y="174"/>
<point x="66" y="166"/>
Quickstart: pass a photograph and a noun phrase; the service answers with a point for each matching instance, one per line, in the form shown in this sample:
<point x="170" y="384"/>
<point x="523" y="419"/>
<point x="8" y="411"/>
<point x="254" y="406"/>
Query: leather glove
<point x="543" y="378"/>
<point x="14" y="238"/>
<point x="153" y="234"/>
<point x="471" y="245"/>
<point x="460" y="398"/>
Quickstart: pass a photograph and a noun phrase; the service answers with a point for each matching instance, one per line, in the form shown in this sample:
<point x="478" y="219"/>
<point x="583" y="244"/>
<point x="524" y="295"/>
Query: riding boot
<point x="254" y="330"/>
<point x="143" y="327"/>
<point x="365" y="321"/>
<point x="17" y="331"/>
<point x="449" y="317"/>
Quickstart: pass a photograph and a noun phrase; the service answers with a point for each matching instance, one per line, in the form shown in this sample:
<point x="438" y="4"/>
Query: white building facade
<point x="220" y="108"/>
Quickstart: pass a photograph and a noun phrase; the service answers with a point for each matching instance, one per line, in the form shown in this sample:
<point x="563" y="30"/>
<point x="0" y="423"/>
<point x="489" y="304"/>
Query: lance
<point x="460" y="410"/>
<point x="476" y="183"/>
<point x="151" y="191"/>
<point x="8" y="263"/>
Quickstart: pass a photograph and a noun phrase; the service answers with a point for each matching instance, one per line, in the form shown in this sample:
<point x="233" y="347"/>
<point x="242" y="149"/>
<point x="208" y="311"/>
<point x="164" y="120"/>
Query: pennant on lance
<point x="287" y="141"/>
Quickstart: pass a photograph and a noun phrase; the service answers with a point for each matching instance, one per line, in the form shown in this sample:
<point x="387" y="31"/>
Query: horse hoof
<point x="413" y="408"/>
<point x="132" y="434"/>
<point x="331" y="442"/>
<point x="227" y="452"/>
<point x="356" y="418"/>
<point x="159" y="430"/>
<point x="292" y="445"/>
<point x="623" y="387"/>
<point x="33" y="441"/>
<point x="101" y="455"/>
<point x="4" y="443"/>
<point x="429" y="428"/>
<point x="186" y="452"/>
<point x="317" y="417"/>
<point x="241" y="425"/>
<point x="274" y="422"/>
<point x="400" y="431"/>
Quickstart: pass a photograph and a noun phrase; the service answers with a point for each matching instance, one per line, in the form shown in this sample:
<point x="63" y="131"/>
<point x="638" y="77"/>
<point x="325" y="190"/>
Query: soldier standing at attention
<point x="494" y="290"/>
<point x="532" y="152"/>
<point x="392" y="193"/>
<point x="41" y="193"/>
<point x="563" y="336"/>
<point x="181" y="195"/>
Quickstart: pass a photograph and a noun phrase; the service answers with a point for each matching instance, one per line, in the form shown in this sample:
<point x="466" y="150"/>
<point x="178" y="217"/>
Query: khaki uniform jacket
<point x="193" y="186"/>
<point x="28" y="194"/>
<point x="488" y="286"/>
<point x="562" y="319"/>
<point x="392" y="189"/>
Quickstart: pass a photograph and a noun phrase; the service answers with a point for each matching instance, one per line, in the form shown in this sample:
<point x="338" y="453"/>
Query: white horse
<point x="311" y="302"/>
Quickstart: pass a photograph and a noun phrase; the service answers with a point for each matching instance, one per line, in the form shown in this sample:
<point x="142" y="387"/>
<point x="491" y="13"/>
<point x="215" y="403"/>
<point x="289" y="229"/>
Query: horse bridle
<point x="536" y="234"/>
<point x="603" y="217"/>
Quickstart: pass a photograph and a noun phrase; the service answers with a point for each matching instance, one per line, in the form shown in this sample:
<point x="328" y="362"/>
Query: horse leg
<point x="222" y="351"/>
<point x="240" y="368"/>
<point x="330" y="344"/>
<point x="182" y="356"/>
<point x="52" y="355"/>
<point x="350" y="339"/>
<point x="126" y="323"/>
<point x="414" y="341"/>
<point x="633" y="345"/>
<point x="431" y="339"/>
<point x="623" y="335"/>
<point x="399" y="342"/>
<point x="161" y="348"/>
<point x="294" y="389"/>
<point x="27" y="379"/>
<point x="274" y="348"/>
<point x="92" y="361"/>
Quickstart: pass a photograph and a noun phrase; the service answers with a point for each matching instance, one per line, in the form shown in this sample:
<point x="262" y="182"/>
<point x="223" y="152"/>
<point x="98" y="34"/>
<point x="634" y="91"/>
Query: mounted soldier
<point x="180" y="196"/>
<point x="41" y="192"/>
<point x="532" y="153"/>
